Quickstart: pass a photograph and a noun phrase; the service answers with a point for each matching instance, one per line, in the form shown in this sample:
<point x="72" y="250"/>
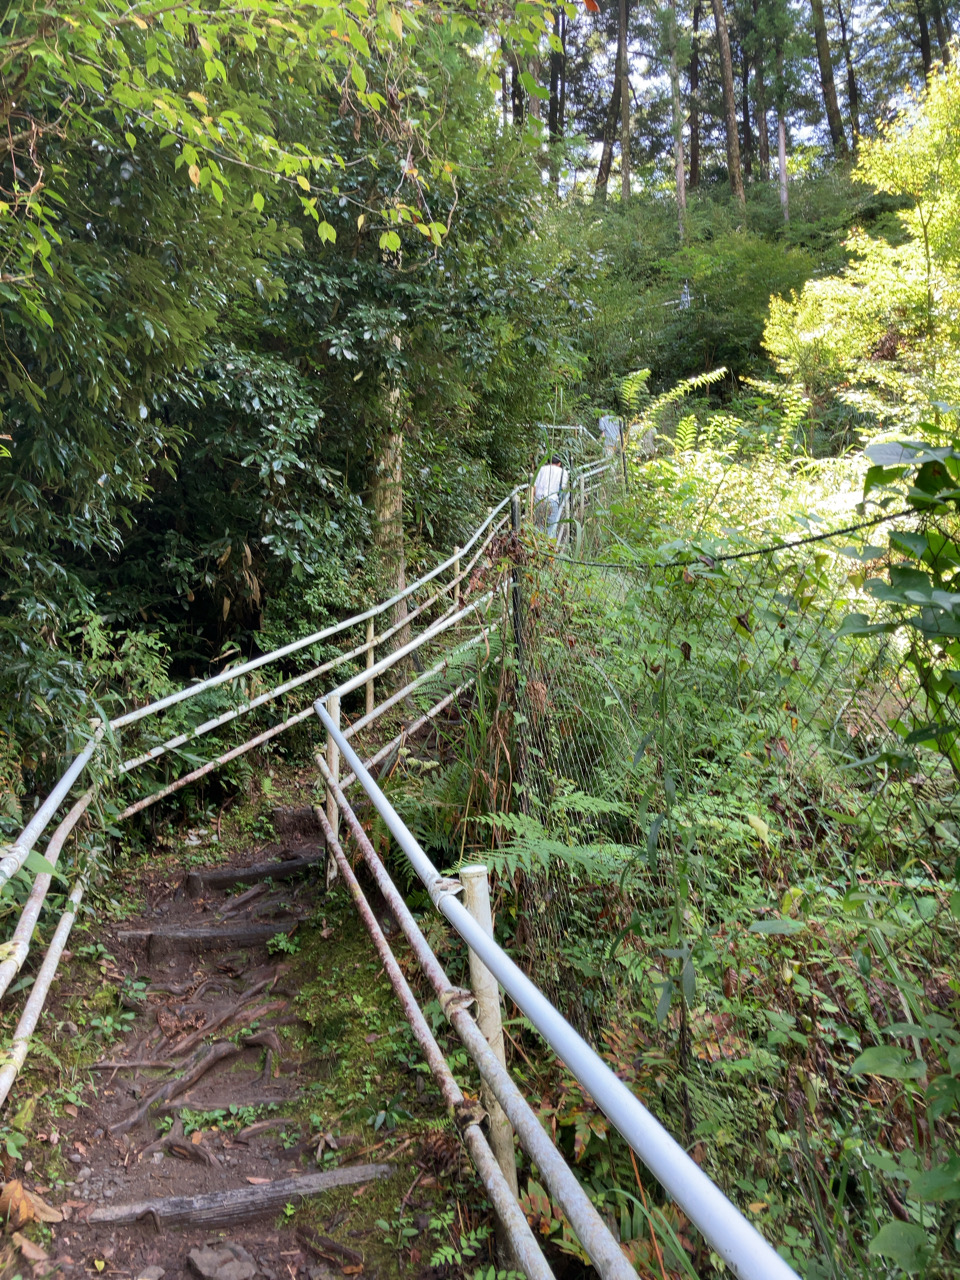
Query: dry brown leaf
<point x="197" y="1137"/>
<point x="15" y="1206"/>
<point x="42" y="1211"/>
<point x="259" y="1182"/>
<point x="353" y="1271"/>
<point x="32" y="1252"/>
<point x="71" y="1110"/>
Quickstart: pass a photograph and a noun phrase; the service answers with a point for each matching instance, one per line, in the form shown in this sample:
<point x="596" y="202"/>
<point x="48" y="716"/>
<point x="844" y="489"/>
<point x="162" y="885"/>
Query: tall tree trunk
<point x="837" y="136"/>
<point x="763" y="135"/>
<point x="926" y="53"/>
<point x="760" y="98"/>
<point x="388" y="507"/>
<point x="729" y="102"/>
<point x="781" y="134"/>
<point x="624" y="102"/>
<point x="747" y="132"/>
<point x="562" y="110"/>
<point x="554" y="126"/>
<point x="533" y="107"/>
<point x="677" y="122"/>
<point x="517" y="97"/>
<point x="609" y="135"/>
<point x="943" y="30"/>
<point x="695" y="96"/>
<point x="853" y="93"/>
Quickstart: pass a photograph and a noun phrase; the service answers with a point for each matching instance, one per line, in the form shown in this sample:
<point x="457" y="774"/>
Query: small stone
<point x="98" y="1133"/>
<point x="229" y="1262"/>
<point x="84" y="1173"/>
<point x="75" y="1157"/>
<point x="151" y="1273"/>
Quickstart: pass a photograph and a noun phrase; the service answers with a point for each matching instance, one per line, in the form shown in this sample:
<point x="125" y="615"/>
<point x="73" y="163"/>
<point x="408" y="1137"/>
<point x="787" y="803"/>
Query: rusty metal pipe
<point x="591" y="1230"/>
<point x="523" y="1243"/>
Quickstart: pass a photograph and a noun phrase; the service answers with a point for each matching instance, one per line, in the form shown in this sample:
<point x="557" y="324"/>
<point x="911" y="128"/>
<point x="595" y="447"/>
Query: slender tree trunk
<point x="781" y="134"/>
<point x="837" y="136"/>
<point x="760" y="98"/>
<point x="695" y="96"/>
<point x="729" y="103"/>
<point x="763" y="135"/>
<point x="562" y="110"/>
<point x="943" y="30"/>
<point x="517" y="96"/>
<point x="533" y="107"/>
<point x="609" y="135"/>
<point x="388" y="507"/>
<point x="624" y="102"/>
<point x="853" y="93"/>
<point x="926" y="53"/>
<point x="677" y="123"/>
<point x="747" y="132"/>
<point x="553" y="110"/>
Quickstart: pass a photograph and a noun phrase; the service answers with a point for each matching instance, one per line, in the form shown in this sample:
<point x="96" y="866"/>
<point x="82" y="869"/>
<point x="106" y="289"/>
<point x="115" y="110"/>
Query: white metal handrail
<point x="725" y="1228"/>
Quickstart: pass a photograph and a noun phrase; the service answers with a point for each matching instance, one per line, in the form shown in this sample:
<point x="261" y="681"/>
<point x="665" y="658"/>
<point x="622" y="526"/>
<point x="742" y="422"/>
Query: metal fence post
<point x="476" y="898"/>
<point x="333" y="764"/>
<point x="456" y="581"/>
<point x="370" y="648"/>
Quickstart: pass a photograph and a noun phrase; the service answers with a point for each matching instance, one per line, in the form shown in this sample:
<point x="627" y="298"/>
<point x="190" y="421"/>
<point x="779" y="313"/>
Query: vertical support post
<point x="476" y="898"/>
<point x="456" y="580"/>
<point x="516" y="593"/>
<point x="369" y="684"/>
<point x="623" y="458"/>
<point x="333" y="764"/>
<point x="583" y="498"/>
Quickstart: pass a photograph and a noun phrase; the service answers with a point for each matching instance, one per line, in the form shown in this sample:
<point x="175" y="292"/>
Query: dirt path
<point x="229" y="1062"/>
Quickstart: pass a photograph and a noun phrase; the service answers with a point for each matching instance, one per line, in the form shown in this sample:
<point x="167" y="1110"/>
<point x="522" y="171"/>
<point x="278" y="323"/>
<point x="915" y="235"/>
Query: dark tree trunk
<point x="518" y="103"/>
<point x="695" y="97"/>
<point x="729" y="103"/>
<point x="853" y="93"/>
<point x="943" y="29"/>
<point x="609" y="136"/>
<point x="747" y="132"/>
<point x="834" y="120"/>
<point x="763" y="136"/>
<point x="677" y="115"/>
<point x="926" y="53"/>
<point x="553" y="111"/>
<point x="760" y="99"/>
<point x="624" y="101"/>
<point x="562" y="110"/>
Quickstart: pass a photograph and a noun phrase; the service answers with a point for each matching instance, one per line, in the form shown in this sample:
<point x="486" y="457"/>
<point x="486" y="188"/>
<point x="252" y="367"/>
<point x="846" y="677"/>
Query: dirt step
<point x="161" y="944"/>
<point x="296" y="820"/>
<point x="207" y="879"/>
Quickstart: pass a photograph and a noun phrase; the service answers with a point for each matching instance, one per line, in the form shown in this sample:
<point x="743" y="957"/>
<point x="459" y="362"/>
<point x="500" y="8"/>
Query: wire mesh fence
<point x="732" y="697"/>
<point x="721" y="798"/>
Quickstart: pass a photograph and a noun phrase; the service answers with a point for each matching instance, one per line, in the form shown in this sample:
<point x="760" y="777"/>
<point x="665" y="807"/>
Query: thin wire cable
<point x="742" y="555"/>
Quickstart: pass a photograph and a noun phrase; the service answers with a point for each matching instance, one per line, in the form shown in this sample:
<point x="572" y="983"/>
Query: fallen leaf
<point x="42" y="1211"/>
<point x="15" y="1206"/>
<point x="98" y="1264"/>
<point x="758" y="1206"/>
<point x="353" y="1271"/>
<point x="32" y="1252"/>
<point x="258" y="1182"/>
<point x="197" y="1137"/>
<point x="326" y="933"/>
<point x="71" y="1110"/>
